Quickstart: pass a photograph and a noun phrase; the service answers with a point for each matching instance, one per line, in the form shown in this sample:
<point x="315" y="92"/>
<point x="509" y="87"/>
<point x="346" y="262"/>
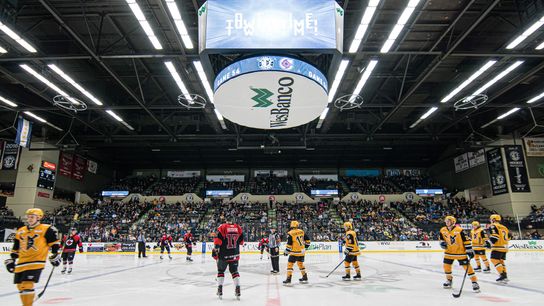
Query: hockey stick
<point x="335" y="268"/>
<point x="462" y="284"/>
<point x="76" y="216"/>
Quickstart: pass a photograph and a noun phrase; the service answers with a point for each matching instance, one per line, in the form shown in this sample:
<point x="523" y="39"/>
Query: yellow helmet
<point x="294" y="224"/>
<point x="348" y="226"/>
<point x="35" y="211"/>
<point x="451" y="218"/>
<point x="495" y="218"/>
<point x="475" y="223"/>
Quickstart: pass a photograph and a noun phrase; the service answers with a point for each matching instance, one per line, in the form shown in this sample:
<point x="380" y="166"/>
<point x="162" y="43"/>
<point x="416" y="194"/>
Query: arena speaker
<point x="271" y="60"/>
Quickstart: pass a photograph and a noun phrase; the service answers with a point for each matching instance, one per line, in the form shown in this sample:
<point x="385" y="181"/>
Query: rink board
<point x="113" y="248"/>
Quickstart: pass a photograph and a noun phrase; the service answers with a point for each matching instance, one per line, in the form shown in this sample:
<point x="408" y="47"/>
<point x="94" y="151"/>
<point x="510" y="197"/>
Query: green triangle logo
<point x="261" y="97"/>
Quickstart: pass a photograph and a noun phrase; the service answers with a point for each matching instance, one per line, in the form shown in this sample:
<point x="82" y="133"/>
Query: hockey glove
<point x="285" y="253"/>
<point x="80" y="250"/>
<point x="215" y="254"/>
<point x="488" y="244"/>
<point x="443" y="244"/>
<point x="55" y="259"/>
<point x="470" y="253"/>
<point x="346" y="252"/>
<point x="10" y="265"/>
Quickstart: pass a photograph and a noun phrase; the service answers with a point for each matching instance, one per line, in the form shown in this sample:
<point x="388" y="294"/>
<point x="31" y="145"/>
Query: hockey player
<point x="30" y="249"/>
<point x="297" y="243"/>
<point x="226" y="252"/>
<point x="263" y="244"/>
<point x="498" y="242"/>
<point x="479" y="238"/>
<point x="456" y="247"/>
<point x="69" y="245"/>
<point x="351" y="251"/>
<point x="165" y="243"/>
<point x="189" y="241"/>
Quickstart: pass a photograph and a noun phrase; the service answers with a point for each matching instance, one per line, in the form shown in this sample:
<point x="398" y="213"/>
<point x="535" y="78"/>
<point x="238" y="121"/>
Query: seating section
<point x="271" y="185"/>
<point x="313" y="218"/>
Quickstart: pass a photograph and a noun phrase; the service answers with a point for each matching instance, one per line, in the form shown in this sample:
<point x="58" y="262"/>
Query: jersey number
<point x="231" y="240"/>
<point x="299" y="240"/>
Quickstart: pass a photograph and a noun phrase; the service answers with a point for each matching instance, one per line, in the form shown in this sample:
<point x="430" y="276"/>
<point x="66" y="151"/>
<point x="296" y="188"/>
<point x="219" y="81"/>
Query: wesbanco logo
<point x="279" y="114"/>
<point x="530" y="245"/>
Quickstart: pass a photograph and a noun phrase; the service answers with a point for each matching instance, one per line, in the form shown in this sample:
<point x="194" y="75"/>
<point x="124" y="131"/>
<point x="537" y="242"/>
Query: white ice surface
<point x="388" y="279"/>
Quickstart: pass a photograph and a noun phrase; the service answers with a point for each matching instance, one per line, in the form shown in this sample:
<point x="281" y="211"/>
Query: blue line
<point x="86" y="278"/>
<point x="440" y="272"/>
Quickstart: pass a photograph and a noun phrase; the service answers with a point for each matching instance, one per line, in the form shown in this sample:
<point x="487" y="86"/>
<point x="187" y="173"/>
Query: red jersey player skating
<point x="189" y="241"/>
<point x="165" y="243"/>
<point x="69" y="246"/>
<point x="263" y="244"/>
<point x="226" y="252"/>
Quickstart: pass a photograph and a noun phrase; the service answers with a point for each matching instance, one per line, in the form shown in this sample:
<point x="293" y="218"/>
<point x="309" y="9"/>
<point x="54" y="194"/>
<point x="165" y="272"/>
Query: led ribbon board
<point x="270" y="92"/>
<point x="265" y="24"/>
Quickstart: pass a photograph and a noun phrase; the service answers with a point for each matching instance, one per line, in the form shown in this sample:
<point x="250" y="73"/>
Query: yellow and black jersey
<point x="297" y="241"/>
<point x="31" y="246"/>
<point x="499" y="237"/>
<point x="479" y="238"/>
<point x="352" y="245"/>
<point x="457" y="242"/>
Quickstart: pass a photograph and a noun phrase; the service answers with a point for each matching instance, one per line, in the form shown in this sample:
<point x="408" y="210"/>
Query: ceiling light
<point x="497" y="78"/>
<point x="363" y="26"/>
<point x="518" y="40"/>
<point x="424" y="116"/>
<point x="204" y="79"/>
<point x="540" y="96"/>
<point x="322" y="117"/>
<point x="366" y="74"/>
<point x="178" y="80"/>
<point x="403" y="19"/>
<point x="114" y="115"/>
<point x="4" y="28"/>
<point x="468" y="81"/>
<point x="2" y="50"/>
<point x="128" y="126"/>
<point x="174" y="12"/>
<point x="8" y="102"/>
<point x="508" y="113"/>
<point x="68" y="79"/>
<point x="48" y="83"/>
<point x="144" y="24"/>
<point x="36" y="117"/>
<point x="337" y="79"/>
<point x="220" y="118"/>
<point x="540" y="47"/>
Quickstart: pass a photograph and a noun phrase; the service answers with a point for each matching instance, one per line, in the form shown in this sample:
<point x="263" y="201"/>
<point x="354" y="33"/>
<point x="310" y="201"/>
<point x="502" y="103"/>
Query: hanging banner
<point x="496" y="172"/>
<point x="280" y="173"/>
<point x="183" y="174"/>
<point x="10" y="156"/>
<point x="517" y="171"/>
<point x="534" y="146"/>
<point x="79" y="167"/>
<point x="66" y="164"/>
<point x="92" y="166"/>
<point x="461" y="163"/>
<point x="24" y="132"/>
<point x="476" y="158"/>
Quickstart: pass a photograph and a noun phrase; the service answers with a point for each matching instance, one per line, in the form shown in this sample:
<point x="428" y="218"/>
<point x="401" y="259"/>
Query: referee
<point x="141" y="244"/>
<point x="274" y="247"/>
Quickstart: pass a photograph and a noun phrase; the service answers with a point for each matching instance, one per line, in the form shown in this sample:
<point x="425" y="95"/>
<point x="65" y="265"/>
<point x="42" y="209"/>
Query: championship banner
<point x="24" y="132"/>
<point x="92" y="166"/>
<point x="66" y="164"/>
<point x="461" y="163"/>
<point x="79" y="167"/>
<point x="476" y="158"/>
<point x="517" y="171"/>
<point x="496" y="172"/>
<point x="534" y="146"/>
<point x="10" y="156"/>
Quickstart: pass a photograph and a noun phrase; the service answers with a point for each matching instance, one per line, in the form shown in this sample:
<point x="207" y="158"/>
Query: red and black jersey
<point x="228" y="240"/>
<point x="165" y="240"/>
<point x="188" y="238"/>
<point x="263" y="242"/>
<point x="71" y="244"/>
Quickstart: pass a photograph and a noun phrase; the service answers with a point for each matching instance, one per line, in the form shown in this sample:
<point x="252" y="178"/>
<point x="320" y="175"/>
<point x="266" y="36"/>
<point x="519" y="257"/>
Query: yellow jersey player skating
<point x="351" y="251"/>
<point x="297" y="243"/>
<point x="479" y="241"/>
<point x="456" y="246"/>
<point x="498" y="241"/>
<point x="29" y="252"/>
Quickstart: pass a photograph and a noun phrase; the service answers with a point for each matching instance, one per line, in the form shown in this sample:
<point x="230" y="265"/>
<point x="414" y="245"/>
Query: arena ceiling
<point x="101" y="45"/>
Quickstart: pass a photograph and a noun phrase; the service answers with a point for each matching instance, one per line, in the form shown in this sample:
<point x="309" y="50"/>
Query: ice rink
<point x="388" y="279"/>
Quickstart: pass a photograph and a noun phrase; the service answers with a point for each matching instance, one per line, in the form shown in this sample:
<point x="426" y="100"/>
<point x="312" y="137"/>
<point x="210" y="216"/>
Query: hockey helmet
<point x="294" y="224"/>
<point x="476" y="223"/>
<point x="348" y="226"/>
<point x="495" y="218"/>
<point x="451" y="218"/>
<point x="35" y="211"/>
